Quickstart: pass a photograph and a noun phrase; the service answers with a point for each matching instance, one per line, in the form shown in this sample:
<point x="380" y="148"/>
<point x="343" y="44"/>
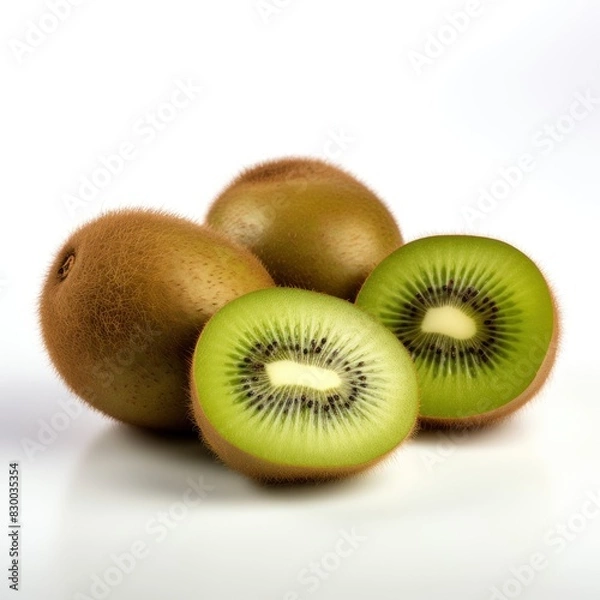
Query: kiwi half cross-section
<point x="477" y="317"/>
<point x="290" y="384"/>
<point x="123" y="304"/>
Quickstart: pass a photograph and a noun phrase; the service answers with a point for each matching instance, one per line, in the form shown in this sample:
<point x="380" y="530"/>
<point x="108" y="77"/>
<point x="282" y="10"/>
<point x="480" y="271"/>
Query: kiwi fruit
<point x="289" y="384"/>
<point x="123" y="304"/>
<point x="478" y="319"/>
<point x="313" y="225"/>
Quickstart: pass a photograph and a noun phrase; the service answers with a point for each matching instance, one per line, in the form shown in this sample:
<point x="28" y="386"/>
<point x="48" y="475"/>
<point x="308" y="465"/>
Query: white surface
<point x="444" y="518"/>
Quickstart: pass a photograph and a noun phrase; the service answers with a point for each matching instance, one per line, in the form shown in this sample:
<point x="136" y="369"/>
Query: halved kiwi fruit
<point x="477" y="317"/>
<point x="289" y="384"/>
<point x="123" y="304"/>
<point x="313" y="225"/>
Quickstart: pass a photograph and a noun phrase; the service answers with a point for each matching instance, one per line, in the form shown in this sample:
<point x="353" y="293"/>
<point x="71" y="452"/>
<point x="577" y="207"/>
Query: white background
<point x="444" y="518"/>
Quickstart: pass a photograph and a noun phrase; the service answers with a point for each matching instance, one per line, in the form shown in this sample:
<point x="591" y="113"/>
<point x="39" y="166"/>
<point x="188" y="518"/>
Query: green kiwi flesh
<point x="313" y="225"/>
<point x="289" y="384"/>
<point x="477" y="317"/>
<point x="124" y="302"/>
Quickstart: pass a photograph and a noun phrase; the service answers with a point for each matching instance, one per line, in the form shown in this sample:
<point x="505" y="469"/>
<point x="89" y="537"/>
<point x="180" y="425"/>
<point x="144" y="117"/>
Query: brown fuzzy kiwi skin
<point x="267" y="472"/>
<point x="313" y="225"/>
<point x="123" y="304"/>
<point x="500" y="414"/>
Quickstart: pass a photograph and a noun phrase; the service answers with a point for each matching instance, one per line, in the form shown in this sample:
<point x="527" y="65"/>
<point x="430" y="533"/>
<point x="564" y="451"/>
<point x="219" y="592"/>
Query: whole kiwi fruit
<point x="124" y="302"/>
<point x="478" y="318"/>
<point x="289" y="384"/>
<point x="313" y="225"/>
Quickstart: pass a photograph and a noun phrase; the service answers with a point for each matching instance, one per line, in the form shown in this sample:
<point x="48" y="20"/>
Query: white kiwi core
<point x="292" y="373"/>
<point x="450" y="321"/>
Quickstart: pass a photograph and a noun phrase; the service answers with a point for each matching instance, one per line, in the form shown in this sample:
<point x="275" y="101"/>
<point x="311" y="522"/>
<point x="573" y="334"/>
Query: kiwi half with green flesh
<point x="289" y="384"/>
<point x="124" y="302"/>
<point x="313" y="225"/>
<point x="478" y="318"/>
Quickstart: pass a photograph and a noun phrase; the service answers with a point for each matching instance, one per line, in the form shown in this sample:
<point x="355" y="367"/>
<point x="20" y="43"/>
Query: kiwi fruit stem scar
<point x="123" y="304"/>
